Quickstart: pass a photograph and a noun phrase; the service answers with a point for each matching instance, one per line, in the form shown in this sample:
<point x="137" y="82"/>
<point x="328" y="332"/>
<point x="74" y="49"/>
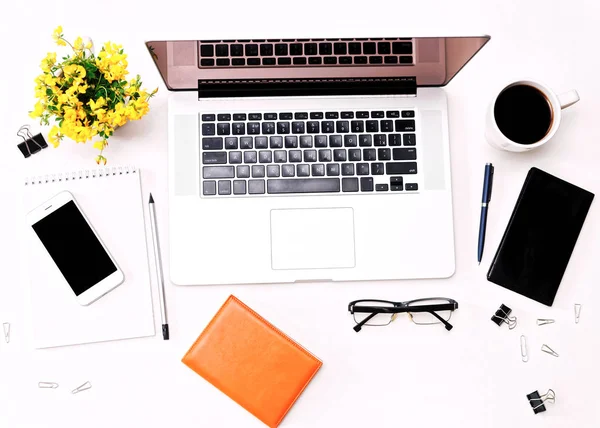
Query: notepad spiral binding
<point x="80" y="175"/>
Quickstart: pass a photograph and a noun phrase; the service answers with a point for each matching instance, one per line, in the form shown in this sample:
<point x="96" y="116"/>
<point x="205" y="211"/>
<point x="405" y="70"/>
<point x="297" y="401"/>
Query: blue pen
<point x="488" y="181"/>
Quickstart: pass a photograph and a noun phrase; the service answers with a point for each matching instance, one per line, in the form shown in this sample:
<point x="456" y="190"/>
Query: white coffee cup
<point x="557" y="102"/>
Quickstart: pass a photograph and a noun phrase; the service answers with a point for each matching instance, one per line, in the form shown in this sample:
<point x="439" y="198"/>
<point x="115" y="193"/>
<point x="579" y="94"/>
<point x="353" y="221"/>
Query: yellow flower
<point x="89" y="45"/>
<point x="49" y="80"/>
<point x="38" y="110"/>
<point x="82" y="88"/>
<point x="54" y="136"/>
<point x="99" y="144"/>
<point x="78" y="44"/>
<point x="58" y="36"/>
<point x="48" y="62"/>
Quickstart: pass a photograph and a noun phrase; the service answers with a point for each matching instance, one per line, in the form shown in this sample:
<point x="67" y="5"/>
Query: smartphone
<point x="76" y="249"/>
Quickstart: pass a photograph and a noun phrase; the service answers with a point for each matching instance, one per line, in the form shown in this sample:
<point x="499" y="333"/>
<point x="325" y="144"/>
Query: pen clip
<point x="490" y="183"/>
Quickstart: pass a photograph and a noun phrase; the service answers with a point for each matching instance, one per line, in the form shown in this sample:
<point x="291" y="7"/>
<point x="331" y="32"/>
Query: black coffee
<point x="523" y="114"/>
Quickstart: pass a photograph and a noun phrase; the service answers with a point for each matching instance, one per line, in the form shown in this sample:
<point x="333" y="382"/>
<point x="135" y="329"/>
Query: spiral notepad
<point x="111" y="198"/>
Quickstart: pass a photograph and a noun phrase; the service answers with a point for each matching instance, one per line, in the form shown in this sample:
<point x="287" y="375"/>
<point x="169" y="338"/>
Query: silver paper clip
<point x="537" y="401"/>
<point x="6" y="327"/>
<point x="544" y="321"/>
<point x="577" y="312"/>
<point x="48" y="385"/>
<point x="80" y="388"/>
<point x="524" y="355"/>
<point x="549" y="350"/>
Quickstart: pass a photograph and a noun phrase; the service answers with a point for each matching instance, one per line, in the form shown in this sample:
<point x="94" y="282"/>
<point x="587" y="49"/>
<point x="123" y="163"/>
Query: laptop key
<point x="315" y="60"/>
<point x="273" y="171"/>
<point x="372" y="126"/>
<point x="350" y="141"/>
<point x="357" y="126"/>
<point x="362" y="114"/>
<point x="347" y="169"/>
<point x="266" y="50"/>
<point x="405" y="113"/>
<point x="285" y="116"/>
<point x="224" y="187"/>
<point x="380" y="140"/>
<point x="295" y="156"/>
<point x="222" y="50"/>
<point x="349" y="184"/>
<point x="231" y="143"/>
<point x="239" y="128"/>
<point x="393" y="168"/>
<point x="223" y="128"/>
<point x="270" y="116"/>
<point x="303" y="185"/>
<point x="208" y="118"/>
<point x="369" y="154"/>
<point x="404" y="154"/>
<point x="396" y="184"/>
<point x="333" y="169"/>
<point x="342" y="126"/>
<point x="265" y="156"/>
<point x="325" y="48"/>
<point x="261" y="142"/>
<point x="298" y="127"/>
<point x="281" y="49"/>
<point x="310" y="49"/>
<point x="387" y="126"/>
<point x="327" y="127"/>
<point x="256" y="187"/>
<point x="299" y="60"/>
<point x="316" y="115"/>
<point x="360" y="60"/>
<point x="381" y="187"/>
<point x="410" y="139"/>
<point x="312" y="127"/>
<point x="392" y="114"/>
<point x="255" y="116"/>
<point x="239" y="116"/>
<point x="332" y="115"/>
<point x="239" y="187"/>
<point x="268" y="61"/>
<point x="377" y="114"/>
<point x="287" y="170"/>
<point x="362" y="169"/>
<point x="224" y="117"/>
<point x="411" y="186"/>
<point x="209" y="187"/>
<point x="306" y="141"/>
<point x="242" y="171"/>
<point x="377" y="168"/>
<point x="235" y="157"/>
<point x="318" y="169"/>
<point x="276" y="142"/>
<point x="250" y="156"/>
<point x="320" y="141"/>
<point x="268" y="127"/>
<point x="347" y="115"/>
<point x="251" y="50"/>
<point x="291" y="142"/>
<point x="310" y="155"/>
<point x="354" y="48"/>
<point x="214" y="158"/>
<point x="301" y="116"/>
<point x="366" y="184"/>
<point x="405" y="125"/>
<point x="365" y="140"/>
<point x="302" y="170"/>
<point x="258" y="171"/>
<point x="325" y="155"/>
<point x="207" y="50"/>
<point x="384" y="154"/>
<point x="354" y="155"/>
<point x="217" y="172"/>
<point x="339" y="155"/>
<point x="246" y="143"/>
<point x="208" y="129"/>
<point x="253" y="128"/>
<point x="283" y="127"/>
<point x="215" y="143"/>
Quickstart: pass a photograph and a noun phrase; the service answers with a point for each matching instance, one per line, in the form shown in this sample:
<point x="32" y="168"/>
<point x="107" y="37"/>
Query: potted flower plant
<point x="87" y="96"/>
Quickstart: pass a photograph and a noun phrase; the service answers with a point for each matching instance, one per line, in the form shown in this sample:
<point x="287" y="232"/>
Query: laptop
<point x="296" y="160"/>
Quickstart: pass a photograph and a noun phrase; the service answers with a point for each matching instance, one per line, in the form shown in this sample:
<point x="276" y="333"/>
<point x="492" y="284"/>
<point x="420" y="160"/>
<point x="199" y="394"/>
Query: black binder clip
<point x="502" y="315"/>
<point x="537" y="401"/>
<point x="31" y="143"/>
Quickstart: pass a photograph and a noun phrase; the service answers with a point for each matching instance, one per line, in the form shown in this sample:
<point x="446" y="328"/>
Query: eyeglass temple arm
<point x="446" y="323"/>
<point x="358" y="326"/>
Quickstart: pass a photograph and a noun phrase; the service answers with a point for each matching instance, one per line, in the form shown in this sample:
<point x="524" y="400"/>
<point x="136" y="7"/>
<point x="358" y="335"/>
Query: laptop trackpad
<point x="318" y="238"/>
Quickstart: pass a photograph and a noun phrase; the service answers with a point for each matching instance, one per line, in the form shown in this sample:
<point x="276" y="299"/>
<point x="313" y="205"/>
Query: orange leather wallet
<point x="251" y="361"/>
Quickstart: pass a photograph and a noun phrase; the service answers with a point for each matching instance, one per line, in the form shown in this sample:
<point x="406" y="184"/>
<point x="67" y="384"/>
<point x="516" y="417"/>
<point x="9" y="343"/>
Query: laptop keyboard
<point x="308" y="152"/>
<point x="305" y="52"/>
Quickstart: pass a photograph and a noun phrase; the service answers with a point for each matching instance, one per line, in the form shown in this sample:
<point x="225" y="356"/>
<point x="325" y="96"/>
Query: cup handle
<point x="567" y="99"/>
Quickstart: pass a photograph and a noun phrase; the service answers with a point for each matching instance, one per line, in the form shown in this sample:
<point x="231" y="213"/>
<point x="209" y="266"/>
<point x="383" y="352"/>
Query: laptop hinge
<point x="223" y="88"/>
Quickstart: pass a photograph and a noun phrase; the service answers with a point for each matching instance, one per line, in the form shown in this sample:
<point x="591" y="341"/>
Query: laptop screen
<point x="430" y="61"/>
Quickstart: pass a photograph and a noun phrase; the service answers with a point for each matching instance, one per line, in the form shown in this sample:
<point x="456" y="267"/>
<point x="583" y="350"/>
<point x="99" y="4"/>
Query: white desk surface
<point x="402" y="375"/>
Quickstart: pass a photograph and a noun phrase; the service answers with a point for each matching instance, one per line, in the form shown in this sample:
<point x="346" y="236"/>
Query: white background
<point x="402" y="375"/>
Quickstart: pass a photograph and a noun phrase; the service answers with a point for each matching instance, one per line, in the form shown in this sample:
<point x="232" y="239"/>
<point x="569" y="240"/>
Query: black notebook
<point x="540" y="237"/>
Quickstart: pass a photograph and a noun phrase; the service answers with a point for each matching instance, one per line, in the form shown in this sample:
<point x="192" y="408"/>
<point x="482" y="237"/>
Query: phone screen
<point x="74" y="247"/>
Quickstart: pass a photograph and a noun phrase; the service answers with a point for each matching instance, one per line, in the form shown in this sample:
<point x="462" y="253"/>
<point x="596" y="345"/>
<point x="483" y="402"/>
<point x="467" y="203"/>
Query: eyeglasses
<point x="373" y="312"/>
